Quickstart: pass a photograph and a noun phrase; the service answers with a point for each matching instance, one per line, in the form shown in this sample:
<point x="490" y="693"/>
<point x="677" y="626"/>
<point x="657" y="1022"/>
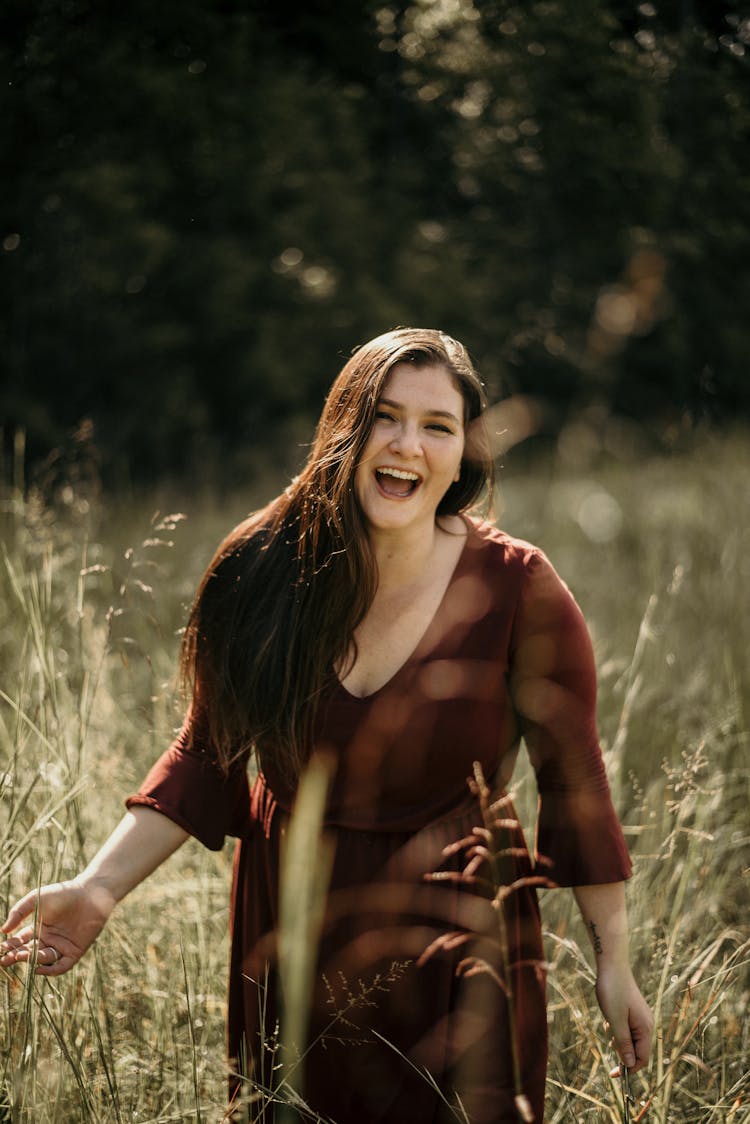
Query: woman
<point x="364" y="615"/>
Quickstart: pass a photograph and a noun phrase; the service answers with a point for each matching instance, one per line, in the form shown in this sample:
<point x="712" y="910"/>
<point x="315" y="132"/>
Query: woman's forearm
<point x="623" y="1006"/>
<point x="55" y="924"/>
<point x="141" y="841"/>
<point x="605" y="916"/>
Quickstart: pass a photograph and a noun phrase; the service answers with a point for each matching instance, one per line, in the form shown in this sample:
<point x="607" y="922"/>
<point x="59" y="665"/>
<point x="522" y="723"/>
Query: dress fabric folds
<point x="395" y="1035"/>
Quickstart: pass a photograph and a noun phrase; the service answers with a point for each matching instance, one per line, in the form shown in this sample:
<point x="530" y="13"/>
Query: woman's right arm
<point x="70" y="915"/>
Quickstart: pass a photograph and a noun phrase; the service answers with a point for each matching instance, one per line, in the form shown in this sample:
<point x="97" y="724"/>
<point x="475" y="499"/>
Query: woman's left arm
<point x="603" y="910"/>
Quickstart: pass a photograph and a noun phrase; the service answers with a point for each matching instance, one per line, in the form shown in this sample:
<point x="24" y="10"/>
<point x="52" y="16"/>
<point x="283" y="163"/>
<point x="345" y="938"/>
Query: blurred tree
<point x="207" y="205"/>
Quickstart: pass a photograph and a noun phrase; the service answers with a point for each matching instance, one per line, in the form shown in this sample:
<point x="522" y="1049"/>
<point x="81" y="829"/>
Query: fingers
<point x="641" y="1029"/>
<point x="642" y="1038"/>
<point x="47" y="956"/>
<point x="21" y="909"/>
<point x="48" y="960"/>
<point x="11" y="948"/>
<point x="629" y="1018"/>
<point x="52" y="962"/>
<point x="633" y="1044"/>
<point x="625" y="1050"/>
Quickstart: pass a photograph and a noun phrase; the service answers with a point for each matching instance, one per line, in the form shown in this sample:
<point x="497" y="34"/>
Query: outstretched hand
<point x="628" y="1015"/>
<point x="69" y="917"/>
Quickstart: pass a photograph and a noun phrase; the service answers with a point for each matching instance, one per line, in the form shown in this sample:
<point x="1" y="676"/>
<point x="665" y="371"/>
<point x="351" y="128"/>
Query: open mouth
<point x="397" y="482"/>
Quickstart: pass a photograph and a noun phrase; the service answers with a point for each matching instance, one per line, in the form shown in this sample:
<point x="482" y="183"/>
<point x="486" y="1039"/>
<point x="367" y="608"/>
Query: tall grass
<point x="93" y="596"/>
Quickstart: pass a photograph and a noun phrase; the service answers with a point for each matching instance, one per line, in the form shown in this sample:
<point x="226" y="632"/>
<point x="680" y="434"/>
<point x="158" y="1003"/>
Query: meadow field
<point x="94" y="593"/>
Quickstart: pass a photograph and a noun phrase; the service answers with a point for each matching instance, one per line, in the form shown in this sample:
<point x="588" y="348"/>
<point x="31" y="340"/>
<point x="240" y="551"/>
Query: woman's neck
<point x="404" y="557"/>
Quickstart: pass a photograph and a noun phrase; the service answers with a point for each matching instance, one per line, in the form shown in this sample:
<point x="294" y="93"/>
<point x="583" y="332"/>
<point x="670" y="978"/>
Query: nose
<point x="406" y="440"/>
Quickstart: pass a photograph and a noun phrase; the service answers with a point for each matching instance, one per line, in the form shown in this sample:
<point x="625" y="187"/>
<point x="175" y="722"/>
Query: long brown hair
<point x="279" y="603"/>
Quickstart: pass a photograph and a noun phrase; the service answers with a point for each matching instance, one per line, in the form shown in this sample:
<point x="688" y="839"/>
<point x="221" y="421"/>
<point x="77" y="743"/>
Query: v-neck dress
<point x="395" y="1035"/>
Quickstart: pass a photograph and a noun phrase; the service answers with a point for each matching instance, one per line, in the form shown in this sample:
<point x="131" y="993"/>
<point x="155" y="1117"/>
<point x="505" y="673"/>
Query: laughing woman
<point x="363" y="613"/>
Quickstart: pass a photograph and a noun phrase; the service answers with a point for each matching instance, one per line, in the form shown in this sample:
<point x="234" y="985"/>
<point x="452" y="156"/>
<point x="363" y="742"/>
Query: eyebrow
<point x="428" y="413"/>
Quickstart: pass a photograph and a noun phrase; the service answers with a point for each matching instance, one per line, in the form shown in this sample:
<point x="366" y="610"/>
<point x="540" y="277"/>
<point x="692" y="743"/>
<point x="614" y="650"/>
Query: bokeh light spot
<point x="600" y="516"/>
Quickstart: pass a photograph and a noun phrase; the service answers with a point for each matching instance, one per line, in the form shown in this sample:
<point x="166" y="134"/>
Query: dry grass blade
<point x="306" y="862"/>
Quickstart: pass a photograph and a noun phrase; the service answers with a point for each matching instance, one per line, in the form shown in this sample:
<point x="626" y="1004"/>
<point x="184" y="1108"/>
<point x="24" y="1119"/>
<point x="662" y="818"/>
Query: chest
<point x="390" y="634"/>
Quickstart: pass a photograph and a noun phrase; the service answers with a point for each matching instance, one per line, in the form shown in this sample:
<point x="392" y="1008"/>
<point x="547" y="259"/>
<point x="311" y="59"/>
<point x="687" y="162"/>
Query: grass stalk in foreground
<point x="306" y="863"/>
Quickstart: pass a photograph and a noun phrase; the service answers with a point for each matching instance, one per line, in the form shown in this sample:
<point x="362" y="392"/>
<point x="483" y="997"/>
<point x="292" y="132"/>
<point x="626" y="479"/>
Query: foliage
<point x="209" y="205"/>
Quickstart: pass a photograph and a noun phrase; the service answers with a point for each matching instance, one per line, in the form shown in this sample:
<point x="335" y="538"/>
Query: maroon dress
<point x="396" y="1038"/>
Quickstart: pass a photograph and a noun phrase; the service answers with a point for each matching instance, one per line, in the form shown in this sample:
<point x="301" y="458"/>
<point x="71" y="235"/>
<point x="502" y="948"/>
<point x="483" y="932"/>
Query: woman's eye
<point x="440" y="428"/>
<point x="381" y="415"/>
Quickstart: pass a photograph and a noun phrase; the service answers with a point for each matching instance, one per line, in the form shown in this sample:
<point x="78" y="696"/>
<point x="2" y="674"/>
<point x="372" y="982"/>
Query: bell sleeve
<point x="187" y="785"/>
<point x="579" y="840"/>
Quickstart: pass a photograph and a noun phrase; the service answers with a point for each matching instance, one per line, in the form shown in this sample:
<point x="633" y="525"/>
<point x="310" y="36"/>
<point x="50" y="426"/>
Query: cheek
<point x="450" y="469"/>
<point x="363" y="471"/>
<point x="359" y="478"/>
<point x="369" y="450"/>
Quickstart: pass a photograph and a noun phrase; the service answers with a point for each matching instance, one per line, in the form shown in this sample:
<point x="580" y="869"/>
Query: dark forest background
<point x="207" y="205"/>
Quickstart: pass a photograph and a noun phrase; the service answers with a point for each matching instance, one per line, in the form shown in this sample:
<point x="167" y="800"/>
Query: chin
<point x="399" y="520"/>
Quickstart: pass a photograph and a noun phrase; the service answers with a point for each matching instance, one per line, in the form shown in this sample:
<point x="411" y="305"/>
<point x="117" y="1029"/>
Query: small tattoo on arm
<point x="596" y="940"/>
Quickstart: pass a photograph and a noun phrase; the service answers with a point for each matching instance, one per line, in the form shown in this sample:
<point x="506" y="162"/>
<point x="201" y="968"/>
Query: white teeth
<point x="398" y="473"/>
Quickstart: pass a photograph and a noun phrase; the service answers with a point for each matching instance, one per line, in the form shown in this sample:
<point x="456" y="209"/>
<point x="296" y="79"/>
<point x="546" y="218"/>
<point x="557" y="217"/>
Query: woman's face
<point x="414" y="450"/>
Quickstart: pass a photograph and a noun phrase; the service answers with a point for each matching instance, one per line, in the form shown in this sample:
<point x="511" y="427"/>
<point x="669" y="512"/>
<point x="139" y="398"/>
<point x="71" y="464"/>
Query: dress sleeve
<point x="187" y="786"/>
<point x="553" y="685"/>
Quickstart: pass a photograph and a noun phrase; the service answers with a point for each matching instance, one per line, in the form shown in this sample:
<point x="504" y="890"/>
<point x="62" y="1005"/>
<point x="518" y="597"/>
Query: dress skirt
<point x="415" y="1038"/>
